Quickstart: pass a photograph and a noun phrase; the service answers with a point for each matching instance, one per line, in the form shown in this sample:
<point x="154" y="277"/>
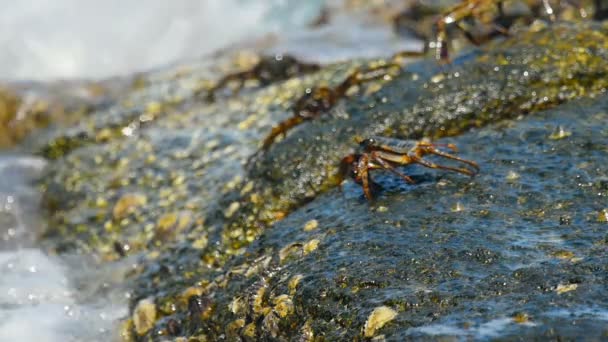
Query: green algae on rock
<point x="27" y="107"/>
<point x="184" y="156"/>
<point x="441" y="271"/>
<point x="522" y="75"/>
<point x="21" y="113"/>
<point x="215" y="269"/>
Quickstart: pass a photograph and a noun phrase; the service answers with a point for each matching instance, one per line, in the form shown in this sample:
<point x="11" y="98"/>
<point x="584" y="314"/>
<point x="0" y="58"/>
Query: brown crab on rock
<point x="388" y="153"/>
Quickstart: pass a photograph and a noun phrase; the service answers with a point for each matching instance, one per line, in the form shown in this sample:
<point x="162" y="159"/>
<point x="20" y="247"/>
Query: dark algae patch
<point x="242" y="243"/>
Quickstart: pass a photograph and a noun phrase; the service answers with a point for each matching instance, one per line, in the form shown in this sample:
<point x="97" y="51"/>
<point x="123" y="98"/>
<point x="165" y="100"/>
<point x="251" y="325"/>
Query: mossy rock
<point x="220" y="225"/>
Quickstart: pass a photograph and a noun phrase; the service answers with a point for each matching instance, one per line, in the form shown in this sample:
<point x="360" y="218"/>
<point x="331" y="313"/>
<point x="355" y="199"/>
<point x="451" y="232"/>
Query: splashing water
<point x="44" y="40"/>
<point x="43" y="297"/>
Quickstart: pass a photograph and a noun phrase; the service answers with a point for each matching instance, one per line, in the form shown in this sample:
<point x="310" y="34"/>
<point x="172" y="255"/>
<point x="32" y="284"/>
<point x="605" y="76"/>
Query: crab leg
<point x="364" y="175"/>
<point x="386" y="165"/>
<point x="443" y="167"/>
<point x="281" y="128"/>
<point x="345" y="166"/>
<point x="359" y="77"/>
<point x="448" y="145"/>
<point x="449" y="156"/>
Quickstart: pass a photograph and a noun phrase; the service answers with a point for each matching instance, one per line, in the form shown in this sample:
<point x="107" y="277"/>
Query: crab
<point x="478" y="20"/>
<point x="268" y="70"/>
<point x="388" y="153"/>
<point x="456" y="14"/>
<point x="317" y="101"/>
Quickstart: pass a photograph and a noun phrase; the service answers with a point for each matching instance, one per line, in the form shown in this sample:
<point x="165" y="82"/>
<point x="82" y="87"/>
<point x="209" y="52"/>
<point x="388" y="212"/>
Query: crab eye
<point x="367" y="142"/>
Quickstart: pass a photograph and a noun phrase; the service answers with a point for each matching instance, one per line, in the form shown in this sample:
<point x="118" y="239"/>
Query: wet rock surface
<point x="460" y="257"/>
<point x="241" y="244"/>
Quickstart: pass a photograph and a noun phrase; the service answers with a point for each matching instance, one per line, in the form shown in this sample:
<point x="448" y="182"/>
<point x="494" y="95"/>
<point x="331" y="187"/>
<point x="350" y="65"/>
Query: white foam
<point x="581" y="312"/>
<point x="19" y="217"/>
<point x="43" y="39"/>
<point x="38" y="302"/>
<point x="489" y="329"/>
<point x="44" y="298"/>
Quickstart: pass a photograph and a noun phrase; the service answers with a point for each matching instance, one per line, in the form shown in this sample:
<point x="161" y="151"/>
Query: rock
<point x="441" y="269"/>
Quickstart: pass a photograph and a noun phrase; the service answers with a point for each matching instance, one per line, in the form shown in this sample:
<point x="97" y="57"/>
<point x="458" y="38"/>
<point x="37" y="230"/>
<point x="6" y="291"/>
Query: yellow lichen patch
<point x="258" y="300"/>
<point x="150" y="159"/>
<point x="101" y="202"/>
<point x="560" y="133"/>
<point x="374" y="87"/>
<point x="167" y="221"/>
<point x="255" y="198"/>
<point x="289" y="250"/>
<point x="603" y="215"/>
<point x="306" y="332"/>
<point x="153" y="108"/>
<point x="233" y="327"/>
<point x="173" y="221"/>
<point x="249" y="331"/>
<point x="382" y="209"/>
<point x="239" y="269"/>
<point x="243" y="59"/>
<point x="153" y="255"/>
<point x="247" y="123"/>
<point x="108" y="226"/>
<point x="192" y="291"/>
<point x="512" y="176"/>
<point x="247" y="188"/>
<point x="178" y="179"/>
<point x="200" y="243"/>
<point x="233" y="183"/>
<point x="232" y="208"/>
<point x="104" y="135"/>
<point x="258" y="265"/>
<point x="283" y="305"/>
<point x="311" y="225"/>
<point x="311" y="246"/>
<point x="9" y="105"/>
<point x="377" y="319"/>
<point x="237" y="305"/>
<point x="521" y="318"/>
<point x="125" y="331"/>
<point x="565" y="255"/>
<point x="221" y="281"/>
<point x="279" y="215"/>
<point x="561" y="288"/>
<point x="293" y="283"/>
<point x="127" y="204"/>
<point x="270" y="323"/>
<point x="437" y="78"/>
<point x="144" y="316"/>
<point x="457" y="207"/>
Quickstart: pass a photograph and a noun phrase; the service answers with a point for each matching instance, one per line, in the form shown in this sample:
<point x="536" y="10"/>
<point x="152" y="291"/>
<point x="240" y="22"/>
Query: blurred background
<point x="42" y="39"/>
<point x="46" y="40"/>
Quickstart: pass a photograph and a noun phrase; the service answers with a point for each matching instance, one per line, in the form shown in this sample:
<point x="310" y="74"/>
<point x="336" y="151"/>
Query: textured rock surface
<point x="229" y="248"/>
